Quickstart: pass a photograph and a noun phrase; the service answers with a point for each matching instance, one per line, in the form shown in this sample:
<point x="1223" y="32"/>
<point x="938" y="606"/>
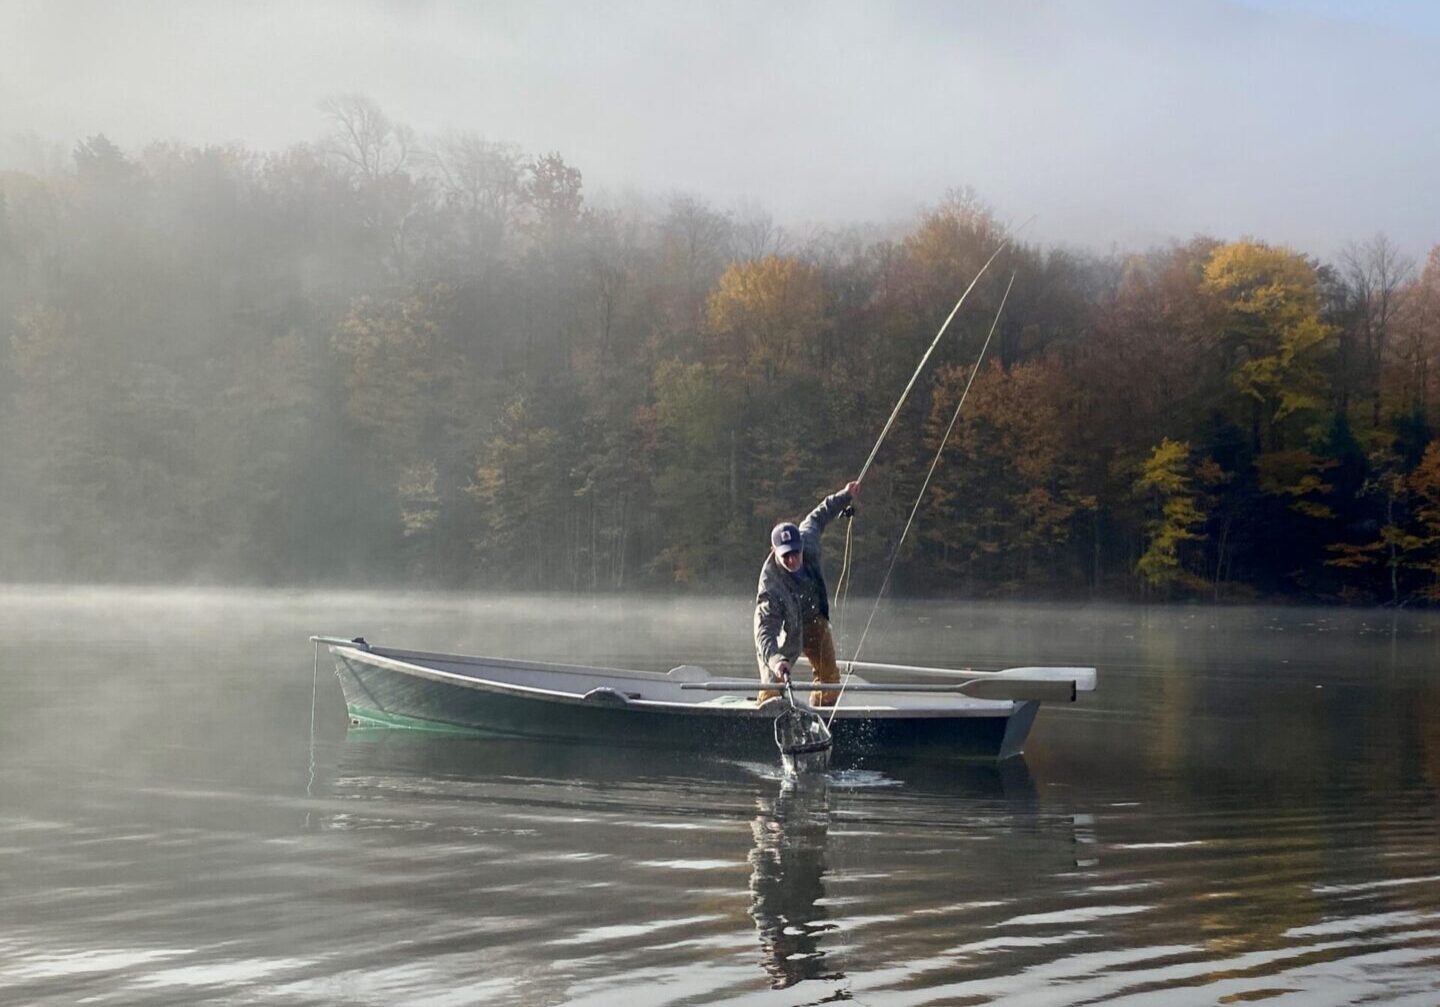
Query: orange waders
<point x="819" y="650"/>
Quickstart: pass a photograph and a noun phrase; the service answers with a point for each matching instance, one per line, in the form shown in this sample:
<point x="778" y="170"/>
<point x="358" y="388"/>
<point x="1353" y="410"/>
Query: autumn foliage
<point x="385" y="359"/>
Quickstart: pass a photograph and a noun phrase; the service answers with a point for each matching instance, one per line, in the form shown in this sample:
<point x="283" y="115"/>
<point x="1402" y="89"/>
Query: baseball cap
<point x="785" y="537"/>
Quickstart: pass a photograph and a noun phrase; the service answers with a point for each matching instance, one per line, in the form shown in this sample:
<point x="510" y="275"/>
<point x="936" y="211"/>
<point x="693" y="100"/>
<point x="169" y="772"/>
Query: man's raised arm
<point x="829" y="508"/>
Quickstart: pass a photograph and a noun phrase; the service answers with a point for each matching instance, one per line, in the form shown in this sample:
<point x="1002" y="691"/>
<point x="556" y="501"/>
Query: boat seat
<point x="610" y="697"/>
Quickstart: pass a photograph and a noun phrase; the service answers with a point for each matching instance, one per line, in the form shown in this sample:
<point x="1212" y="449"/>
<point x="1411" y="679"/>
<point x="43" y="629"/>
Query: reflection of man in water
<point x="787" y="864"/>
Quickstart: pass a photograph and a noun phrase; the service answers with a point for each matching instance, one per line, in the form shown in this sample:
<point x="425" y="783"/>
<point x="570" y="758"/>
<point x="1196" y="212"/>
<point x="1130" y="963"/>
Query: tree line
<point x="374" y="359"/>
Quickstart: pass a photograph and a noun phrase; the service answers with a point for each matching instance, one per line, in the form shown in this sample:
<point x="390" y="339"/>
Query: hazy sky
<point x="1312" y="122"/>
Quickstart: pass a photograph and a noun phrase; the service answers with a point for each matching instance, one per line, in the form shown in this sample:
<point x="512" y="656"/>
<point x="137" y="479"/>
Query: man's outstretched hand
<point x="852" y="487"/>
<point x="784" y="670"/>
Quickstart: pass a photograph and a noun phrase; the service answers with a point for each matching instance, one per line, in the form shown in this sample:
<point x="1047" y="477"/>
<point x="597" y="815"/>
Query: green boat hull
<point x="387" y="693"/>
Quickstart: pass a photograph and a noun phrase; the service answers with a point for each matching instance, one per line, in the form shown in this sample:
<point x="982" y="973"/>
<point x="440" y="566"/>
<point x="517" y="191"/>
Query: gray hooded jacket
<point x="778" y="634"/>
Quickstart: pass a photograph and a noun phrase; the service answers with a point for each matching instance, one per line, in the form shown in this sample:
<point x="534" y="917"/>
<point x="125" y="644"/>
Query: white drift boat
<point x="930" y="710"/>
<point x="935" y="711"/>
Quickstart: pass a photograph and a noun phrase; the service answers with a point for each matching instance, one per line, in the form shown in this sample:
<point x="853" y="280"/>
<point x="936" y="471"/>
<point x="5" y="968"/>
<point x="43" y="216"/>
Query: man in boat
<point x="792" y="604"/>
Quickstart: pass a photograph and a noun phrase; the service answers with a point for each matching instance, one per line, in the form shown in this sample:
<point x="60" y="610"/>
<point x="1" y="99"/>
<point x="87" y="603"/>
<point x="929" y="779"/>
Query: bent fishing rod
<point x="843" y="586"/>
<point x="895" y="555"/>
<point x="936" y="342"/>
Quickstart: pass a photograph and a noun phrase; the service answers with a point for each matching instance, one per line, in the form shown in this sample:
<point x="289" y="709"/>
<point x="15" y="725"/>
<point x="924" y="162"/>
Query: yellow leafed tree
<point x="1167" y="478"/>
<point x="1273" y="339"/>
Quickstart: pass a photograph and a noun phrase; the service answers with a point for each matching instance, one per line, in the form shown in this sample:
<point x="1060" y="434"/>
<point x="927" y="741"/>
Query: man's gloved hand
<point x="784" y="670"/>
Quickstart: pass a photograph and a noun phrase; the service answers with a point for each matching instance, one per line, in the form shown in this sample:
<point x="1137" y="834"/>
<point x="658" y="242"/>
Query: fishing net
<point x="803" y="740"/>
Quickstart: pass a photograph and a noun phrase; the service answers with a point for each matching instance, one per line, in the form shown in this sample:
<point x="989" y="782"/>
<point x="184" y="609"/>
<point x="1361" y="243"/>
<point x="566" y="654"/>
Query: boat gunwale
<point x="981" y="708"/>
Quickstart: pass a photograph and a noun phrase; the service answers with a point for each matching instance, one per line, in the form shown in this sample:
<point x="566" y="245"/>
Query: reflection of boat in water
<point x="987" y="714"/>
<point x="797" y="881"/>
<point x="382" y="752"/>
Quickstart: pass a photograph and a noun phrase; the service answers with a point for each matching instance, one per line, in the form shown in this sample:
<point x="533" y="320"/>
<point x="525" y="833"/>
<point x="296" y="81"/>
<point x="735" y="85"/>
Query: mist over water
<point x="1246" y="809"/>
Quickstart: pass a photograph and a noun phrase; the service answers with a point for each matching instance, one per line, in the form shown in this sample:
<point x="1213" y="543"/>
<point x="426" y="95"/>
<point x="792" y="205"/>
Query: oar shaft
<point x="753" y="686"/>
<point x="1014" y="689"/>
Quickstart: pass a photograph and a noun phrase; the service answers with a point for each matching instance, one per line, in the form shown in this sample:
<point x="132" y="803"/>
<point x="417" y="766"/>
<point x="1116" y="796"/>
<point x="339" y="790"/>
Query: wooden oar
<point x="1084" y="678"/>
<point x="1019" y="689"/>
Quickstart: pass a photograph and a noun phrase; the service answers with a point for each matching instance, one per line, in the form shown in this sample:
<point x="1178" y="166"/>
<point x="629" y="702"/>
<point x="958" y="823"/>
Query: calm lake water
<point x="1246" y="810"/>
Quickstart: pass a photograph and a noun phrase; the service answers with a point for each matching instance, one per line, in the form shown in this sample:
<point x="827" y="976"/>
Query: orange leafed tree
<point x="1006" y="494"/>
<point x="765" y="316"/>
<point x="1424" y="484"/>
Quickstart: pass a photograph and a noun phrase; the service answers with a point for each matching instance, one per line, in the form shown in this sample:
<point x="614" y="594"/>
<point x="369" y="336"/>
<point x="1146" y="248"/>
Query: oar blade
<point x="1021" y="689"/>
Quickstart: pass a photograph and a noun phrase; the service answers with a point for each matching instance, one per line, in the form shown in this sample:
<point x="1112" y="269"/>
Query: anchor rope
<point x="895" y="554"/>
<point x="314" y="687"/>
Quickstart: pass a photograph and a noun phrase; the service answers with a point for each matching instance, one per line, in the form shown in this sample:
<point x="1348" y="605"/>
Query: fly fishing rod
<point x="936" y="342"/>
<point x="895" y="555"/>
<point x="844" y="583"/>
